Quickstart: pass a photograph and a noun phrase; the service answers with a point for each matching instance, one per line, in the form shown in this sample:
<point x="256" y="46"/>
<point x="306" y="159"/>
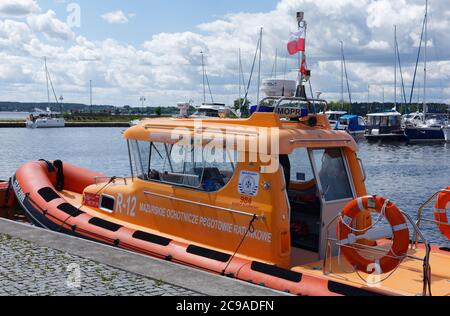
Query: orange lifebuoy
<point x="442" y="204"/>
<point x="399" y="228"/>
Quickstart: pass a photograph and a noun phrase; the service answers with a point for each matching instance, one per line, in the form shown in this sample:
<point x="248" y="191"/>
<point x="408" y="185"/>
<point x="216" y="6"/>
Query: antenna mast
<point x="301" y="92"/>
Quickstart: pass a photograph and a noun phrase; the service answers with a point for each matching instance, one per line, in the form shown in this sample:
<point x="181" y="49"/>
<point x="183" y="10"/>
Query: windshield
<point x="334" y="180"/>
<point x="207" y="113"/>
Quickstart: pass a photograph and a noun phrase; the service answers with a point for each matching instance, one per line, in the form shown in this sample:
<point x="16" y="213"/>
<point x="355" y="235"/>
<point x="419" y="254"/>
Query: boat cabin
<point x="272" y="180"/>
<point x="352" y="124"/>
<point x="412" y="119"/>
<point x="384" y="126"/>
<point x="212" y="110"/>
<point x="334" y="116"/>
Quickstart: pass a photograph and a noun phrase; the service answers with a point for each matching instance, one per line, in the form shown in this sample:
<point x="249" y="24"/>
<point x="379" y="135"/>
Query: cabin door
<point x="335" y="187"/>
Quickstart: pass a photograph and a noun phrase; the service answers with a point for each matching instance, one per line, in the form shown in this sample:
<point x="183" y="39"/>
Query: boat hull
<point x="46" y="123"/>
<point x="386" y="138"/>
<point x="424" y="134"/>
<point x="34" y="185"/>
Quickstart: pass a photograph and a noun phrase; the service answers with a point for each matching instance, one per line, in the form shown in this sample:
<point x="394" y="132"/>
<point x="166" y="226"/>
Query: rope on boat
<point x="250" y="229"/>
<point x="63" y="223"/>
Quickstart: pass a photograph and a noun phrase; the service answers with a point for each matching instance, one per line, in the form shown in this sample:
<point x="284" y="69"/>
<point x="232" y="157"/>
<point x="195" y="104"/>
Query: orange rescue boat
<point x="278" y="200"/>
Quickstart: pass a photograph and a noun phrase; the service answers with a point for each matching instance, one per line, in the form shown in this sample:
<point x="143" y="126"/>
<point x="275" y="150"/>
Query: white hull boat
<point x="46" y="123"/>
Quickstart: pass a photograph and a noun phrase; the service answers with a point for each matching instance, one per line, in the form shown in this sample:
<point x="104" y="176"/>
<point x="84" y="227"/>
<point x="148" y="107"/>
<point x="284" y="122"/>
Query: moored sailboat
<point x="431" y="130"/>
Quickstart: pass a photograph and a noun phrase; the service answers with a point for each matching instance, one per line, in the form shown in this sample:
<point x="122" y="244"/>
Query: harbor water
<point x="13" y="116"/>
<point x="406" y="174"/>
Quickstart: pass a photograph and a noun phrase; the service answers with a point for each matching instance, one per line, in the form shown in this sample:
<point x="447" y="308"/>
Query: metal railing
<point x="377" y="251"/>
<point x="422" y="207"/>
<point x="279" y="101"/>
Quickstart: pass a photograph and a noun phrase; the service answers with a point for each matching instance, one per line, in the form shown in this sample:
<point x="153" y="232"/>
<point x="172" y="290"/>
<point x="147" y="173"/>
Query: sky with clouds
<point x="152" y="48"/>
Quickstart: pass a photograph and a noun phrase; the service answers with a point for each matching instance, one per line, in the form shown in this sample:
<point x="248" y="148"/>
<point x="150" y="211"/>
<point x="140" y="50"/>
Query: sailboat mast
<point x="342" y="75"/>
<point x="240" y="79"/>
<point x="395" y="67"/>
<point x="276" y="63"/>
<point x="425" y="109"/>
<point x="90" y="94"/>
<point x="259" y="67"/>
<point x="203" y="72"/>
<point x="46" y="78"/>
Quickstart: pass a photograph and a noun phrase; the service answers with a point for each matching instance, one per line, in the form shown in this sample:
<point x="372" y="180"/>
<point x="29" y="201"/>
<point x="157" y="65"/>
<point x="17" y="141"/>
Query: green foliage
<point x="243" y="105"/>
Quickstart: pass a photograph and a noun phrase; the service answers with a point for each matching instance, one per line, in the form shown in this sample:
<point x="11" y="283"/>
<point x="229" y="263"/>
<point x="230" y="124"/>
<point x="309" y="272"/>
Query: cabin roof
<point x="385" y="114"/>
<point x="349" y="116"/>
<point x="256" y="132"/>
<point x="335" y="112"/>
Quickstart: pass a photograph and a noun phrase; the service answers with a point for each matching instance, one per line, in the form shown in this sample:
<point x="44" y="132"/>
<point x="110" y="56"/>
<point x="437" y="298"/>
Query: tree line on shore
<point x="82" y="110"/>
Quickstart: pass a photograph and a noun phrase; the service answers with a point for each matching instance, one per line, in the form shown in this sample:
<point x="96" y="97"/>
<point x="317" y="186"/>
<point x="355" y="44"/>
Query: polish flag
<point x="297" y="42"/>
<point x="303" y="70"/>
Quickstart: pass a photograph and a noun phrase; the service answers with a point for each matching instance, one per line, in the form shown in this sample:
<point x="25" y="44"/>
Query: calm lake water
<point x="406" y="174"/>
<point x="13" y="115"/>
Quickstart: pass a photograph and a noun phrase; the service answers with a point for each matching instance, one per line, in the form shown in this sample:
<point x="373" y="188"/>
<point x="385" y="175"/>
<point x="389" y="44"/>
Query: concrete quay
<point x="34" y="261"/>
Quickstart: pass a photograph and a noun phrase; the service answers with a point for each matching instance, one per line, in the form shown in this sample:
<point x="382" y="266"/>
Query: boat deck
<point x="407" y="280"/>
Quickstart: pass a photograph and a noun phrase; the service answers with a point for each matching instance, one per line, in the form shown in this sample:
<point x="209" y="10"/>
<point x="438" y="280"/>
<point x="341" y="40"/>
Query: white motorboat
<point x="212" y="110"/>
<point x="334" y="117"/>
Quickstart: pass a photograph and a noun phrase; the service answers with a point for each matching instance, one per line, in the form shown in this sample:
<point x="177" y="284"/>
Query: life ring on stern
<point x="400" y="234"/>
<point x="442" y="204"/>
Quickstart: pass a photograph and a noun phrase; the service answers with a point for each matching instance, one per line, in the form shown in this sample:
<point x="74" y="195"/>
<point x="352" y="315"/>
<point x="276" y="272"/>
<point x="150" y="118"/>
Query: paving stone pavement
<point x="30" y="270"/>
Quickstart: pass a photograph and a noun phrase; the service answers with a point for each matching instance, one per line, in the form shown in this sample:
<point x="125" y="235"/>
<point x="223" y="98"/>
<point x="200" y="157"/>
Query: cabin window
<point x="202" y="169"/>
<point x="301" y="170"/>
<point x="303" y="200"/>
<point x="384" y="121"/>
<point x="137" y="166"/>
<point x="394" y="121"/>
<point x="332" y="174"/>
<point x="374" y="120"/>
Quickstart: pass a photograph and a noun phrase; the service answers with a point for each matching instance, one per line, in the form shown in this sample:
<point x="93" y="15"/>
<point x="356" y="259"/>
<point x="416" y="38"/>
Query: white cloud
<point x="49" y="25"/>
<point x="12" y="35"/>
<point x="377" y="45"/>
<point x="117" y="17"/>
<point x="18" y="7"/>
<point x="167" y="67"/>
